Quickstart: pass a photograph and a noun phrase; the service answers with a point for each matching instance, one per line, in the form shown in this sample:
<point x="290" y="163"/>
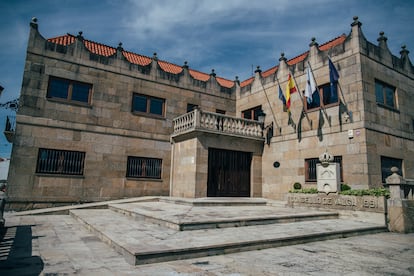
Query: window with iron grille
<point x="385" y="94"/>
<point x="69" y="90"/>
<point x="52" y="161"/>
<point x="310" y="168"/>
<point x="143" y="167"/>
<point x="147" y="104"/>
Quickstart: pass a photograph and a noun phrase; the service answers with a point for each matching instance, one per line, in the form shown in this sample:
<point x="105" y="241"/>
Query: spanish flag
<point x="290" y="88"/>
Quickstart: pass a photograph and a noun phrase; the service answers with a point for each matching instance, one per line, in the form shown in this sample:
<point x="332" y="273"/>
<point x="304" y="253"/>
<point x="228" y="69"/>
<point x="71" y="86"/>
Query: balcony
<point x="198" y="120"/>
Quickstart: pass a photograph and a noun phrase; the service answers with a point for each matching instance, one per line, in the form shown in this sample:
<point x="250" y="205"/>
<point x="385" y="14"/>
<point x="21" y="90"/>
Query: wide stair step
<point x="141" y="241"/>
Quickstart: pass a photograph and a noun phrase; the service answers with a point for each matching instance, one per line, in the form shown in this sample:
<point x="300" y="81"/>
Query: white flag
<point x="310" y="85"/>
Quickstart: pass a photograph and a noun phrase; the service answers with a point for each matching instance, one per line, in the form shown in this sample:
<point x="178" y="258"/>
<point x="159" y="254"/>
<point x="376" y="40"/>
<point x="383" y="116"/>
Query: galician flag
<point x="310" y="85"/>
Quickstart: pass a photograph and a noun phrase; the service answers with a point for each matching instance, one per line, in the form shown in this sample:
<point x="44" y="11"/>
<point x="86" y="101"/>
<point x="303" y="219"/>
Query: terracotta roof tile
<point x="137" y="59"/>
<point x="334" y="42"/>
<point x="270" y="71"/>
<point x="169" y="67"/>
<point x="63" y="39"/>
<point x="99" y="49"/>
<point x="199" y="75"/>
<point x="246" y="82"/>
<point x="224" y="82"/>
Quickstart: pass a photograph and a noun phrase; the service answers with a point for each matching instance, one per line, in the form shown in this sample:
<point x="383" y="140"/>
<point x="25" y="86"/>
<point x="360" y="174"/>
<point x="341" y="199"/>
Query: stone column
<point x="400" y="209"/>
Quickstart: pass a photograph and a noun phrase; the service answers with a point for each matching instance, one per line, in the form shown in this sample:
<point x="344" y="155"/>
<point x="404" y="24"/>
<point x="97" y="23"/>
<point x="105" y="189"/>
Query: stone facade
<point x="357" y="129"/>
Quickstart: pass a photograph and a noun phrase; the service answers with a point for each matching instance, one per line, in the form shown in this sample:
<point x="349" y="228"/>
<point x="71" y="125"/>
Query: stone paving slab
<point x="142" y="242"/>
<point x="195" y="217"/>
<point x="64" y="247"/>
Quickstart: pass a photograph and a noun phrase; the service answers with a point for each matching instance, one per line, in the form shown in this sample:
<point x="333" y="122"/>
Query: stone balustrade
<point x="215" y="122"/>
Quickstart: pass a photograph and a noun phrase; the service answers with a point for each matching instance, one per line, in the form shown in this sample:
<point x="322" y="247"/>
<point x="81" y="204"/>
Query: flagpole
<point x="268" y="101"/>
<point x="301" y="98"/>
<point x="321" y="105"/>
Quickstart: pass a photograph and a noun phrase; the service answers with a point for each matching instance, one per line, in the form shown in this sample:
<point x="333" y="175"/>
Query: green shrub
<point x="345" y="187"/>
<point x="297" y="186"/>
<point x="305" y="191"/>
<point x="370" y="192"/>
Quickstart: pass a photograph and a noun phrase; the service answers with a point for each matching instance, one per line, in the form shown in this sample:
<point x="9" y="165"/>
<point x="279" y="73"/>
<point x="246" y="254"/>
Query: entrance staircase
<point x="166" y="229"/>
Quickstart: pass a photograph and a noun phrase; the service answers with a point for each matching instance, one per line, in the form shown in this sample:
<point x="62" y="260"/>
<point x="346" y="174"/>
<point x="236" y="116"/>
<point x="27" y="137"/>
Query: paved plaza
<point x="61" y="245"/>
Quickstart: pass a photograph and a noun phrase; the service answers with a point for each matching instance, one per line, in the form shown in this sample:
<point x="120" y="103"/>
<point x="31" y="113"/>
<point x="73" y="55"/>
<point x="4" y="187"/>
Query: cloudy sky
<point x="231" y="36"/>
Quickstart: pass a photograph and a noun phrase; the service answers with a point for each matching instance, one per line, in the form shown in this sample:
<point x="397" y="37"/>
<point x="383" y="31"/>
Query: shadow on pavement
<point x="16" y="252"/>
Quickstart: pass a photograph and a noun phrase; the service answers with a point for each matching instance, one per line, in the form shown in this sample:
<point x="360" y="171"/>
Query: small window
<point x="191" y="107"/>
<point x="387" y="163"/>
<point x="68" y="90"/>
<point x="143" y="167"/>
<point x="51" y="161"/>
<point x="310" y="168"/>
<point x="252" y="113"/>
<point x="326" y="96"/>
<point x="385" y="95"/>
<point x="148" y="104"/>
<point x="219" y="111"/>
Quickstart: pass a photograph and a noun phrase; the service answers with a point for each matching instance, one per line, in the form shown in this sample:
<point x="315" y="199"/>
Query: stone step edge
<point x="221" y="249"/>
<point x="224" y="223"/>
<point x="149" y="257"/>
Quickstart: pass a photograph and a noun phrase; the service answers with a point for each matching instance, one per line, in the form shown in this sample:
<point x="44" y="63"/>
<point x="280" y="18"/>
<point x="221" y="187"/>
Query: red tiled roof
<point x="199" y="75"/>
<point x="326" y="46"/>
<point x="63" y="40"/>
<point x="104" y="50"/>
<point x="137" y="59"/>
<point x="224" y="82"/>
<point x="169" y="67"/>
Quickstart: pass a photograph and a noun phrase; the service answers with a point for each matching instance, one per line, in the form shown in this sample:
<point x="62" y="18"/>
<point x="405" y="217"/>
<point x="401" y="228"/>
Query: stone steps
<point x="141" y="241"/>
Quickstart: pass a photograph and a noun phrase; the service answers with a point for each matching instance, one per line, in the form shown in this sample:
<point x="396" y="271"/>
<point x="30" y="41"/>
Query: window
<point x="252" y="113"/>
<point x="387" y="163"/>
<point x="71" y="91"/>
<point x="65" y="162"/>
<point x="326" y="96"/>
<point x="148" y="104"/>
<point x="385" y="94"/>
<point x="191" y="107"/>
<point x="310" y="168"/>
<point x="219" y="111"/>
<point x="142" y="167"/>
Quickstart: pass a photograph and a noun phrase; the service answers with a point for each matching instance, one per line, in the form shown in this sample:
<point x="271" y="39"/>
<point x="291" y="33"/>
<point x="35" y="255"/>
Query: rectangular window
<point x="219" y="111"/>
<point x="385" y="94"/>
<point x="190" y="107"/>
<point x="147" y="104"/>
<point x="252" y="113"/>
<point x="310" y="168"/>
<point x="325" y="96"/>
<point x="143" y="167"/>
<point x="69" y="90"/>
<point x="51" y="161"/>
<point x="387" y="163"/>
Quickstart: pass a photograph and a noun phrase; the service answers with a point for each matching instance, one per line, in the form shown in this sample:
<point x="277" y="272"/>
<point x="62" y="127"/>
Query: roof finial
<point x="119" y="48"/>
<point x="185" y="65"/>
<point x="212" y="73"/>
<point x="154" y="57"/>
<point x="356" y="22"/>
<point x="80" y="37"/>
<point x="33" y="23"/>
<point x="382" y="37"/>
<point x="282" y="57"/>
<point x="237" y="79"/>
<point x="313" y="43"/>
<point x="258" y="69"/>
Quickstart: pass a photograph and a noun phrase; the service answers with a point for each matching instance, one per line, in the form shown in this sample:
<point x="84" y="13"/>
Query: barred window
<point x="69" y="90"/>
<point x="143" y="167"/>
<point x="51" y="161"/>
<point x="310" y="168"/>
<point x="147" y="104"/>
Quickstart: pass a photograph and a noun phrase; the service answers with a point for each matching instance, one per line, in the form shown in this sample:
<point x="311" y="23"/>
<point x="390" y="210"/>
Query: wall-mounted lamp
<point x="269" y="134"/>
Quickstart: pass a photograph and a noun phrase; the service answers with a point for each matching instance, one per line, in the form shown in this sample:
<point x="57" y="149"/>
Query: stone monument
<point x="328" y="174"/>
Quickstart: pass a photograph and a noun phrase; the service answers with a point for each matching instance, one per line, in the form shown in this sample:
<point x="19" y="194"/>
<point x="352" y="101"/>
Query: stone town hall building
<point x="97" y="122"/>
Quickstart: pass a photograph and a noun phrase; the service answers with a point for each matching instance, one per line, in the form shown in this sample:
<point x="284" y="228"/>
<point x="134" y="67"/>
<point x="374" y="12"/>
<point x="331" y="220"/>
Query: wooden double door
<point x="228" y="173"/>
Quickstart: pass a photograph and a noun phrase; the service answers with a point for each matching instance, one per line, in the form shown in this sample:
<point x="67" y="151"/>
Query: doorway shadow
<point x="16" y="252"/>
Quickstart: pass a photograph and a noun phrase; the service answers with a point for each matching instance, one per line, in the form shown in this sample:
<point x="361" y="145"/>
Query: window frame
<point x="70" y="91"/>
<point x="323" y="90"/>
<point x="141" y="171"/>
<point x="337" y="159"/>
<point x="148" y="105"/>
<point x="254" y="113"/>
<point x="386" y="163"/>
<point x="383" y="101"/>
<point x="60" y="162"/>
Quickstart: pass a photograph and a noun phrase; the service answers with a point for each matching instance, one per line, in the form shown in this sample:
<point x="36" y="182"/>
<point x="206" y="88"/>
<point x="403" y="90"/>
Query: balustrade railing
<point x="214" y="122"/>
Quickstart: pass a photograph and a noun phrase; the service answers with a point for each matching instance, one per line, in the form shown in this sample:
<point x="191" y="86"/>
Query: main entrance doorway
<point x="228" y="173"/>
